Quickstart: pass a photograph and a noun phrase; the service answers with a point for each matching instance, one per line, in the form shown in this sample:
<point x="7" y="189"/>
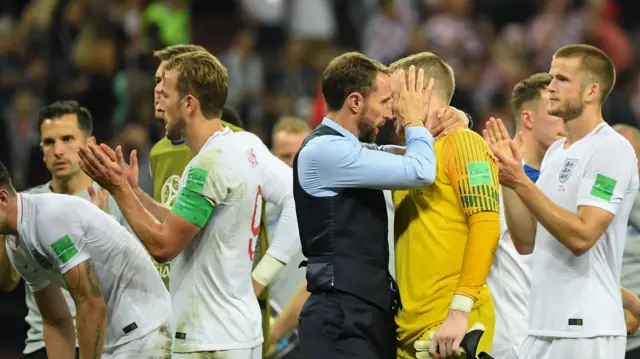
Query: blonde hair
<point x="434" y="67"/>
<point x="202" y="75"/>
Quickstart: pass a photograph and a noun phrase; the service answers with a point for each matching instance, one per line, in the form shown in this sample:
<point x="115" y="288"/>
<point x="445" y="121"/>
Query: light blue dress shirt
<point x="329" y="163"/>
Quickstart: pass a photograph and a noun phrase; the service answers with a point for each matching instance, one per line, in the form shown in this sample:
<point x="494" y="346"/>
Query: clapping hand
<point x="507" y="151"/>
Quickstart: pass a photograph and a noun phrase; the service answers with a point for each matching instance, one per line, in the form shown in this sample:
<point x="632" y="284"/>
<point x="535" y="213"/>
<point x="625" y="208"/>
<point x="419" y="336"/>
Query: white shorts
<point x="569" y="348"/>
<point x="155" y="345"/>
<point x="253" y="353"/>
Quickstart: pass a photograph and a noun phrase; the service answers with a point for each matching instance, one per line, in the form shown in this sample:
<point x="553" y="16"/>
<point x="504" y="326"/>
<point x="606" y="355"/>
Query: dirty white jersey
<point x="214" y="306"/>
<point x="579" y="296"/>
<point x="57" y="232"/>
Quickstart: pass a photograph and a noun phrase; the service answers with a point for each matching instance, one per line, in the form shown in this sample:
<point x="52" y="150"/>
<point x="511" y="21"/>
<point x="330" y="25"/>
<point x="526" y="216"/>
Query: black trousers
<point x="42" y="354"/>
<point x="633" y="354"/>
<point x="338" y="325"/>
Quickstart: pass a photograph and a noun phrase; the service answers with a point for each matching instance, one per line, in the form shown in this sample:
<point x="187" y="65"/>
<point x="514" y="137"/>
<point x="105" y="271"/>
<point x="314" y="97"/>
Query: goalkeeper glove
<point x="468" y="346"/>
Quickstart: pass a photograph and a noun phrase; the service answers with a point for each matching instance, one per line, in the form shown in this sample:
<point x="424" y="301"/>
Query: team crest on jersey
<point x="41" y="260"/>
<point x="251" y="155"/>
<point x="567" y="169"/>
<point x="170" y="190"/>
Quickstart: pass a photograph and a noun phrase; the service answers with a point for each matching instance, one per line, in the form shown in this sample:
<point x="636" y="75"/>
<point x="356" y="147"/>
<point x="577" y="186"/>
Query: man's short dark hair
<point x="174" y="50"/>
<point x="229" y="115"/>
<point x="61" y="108"/>
<point x="348" y="73"/>
<point x="5" y="178"/>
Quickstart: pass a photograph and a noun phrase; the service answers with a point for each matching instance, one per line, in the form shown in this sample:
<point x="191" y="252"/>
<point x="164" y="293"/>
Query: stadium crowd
<point x="289" y="66"/>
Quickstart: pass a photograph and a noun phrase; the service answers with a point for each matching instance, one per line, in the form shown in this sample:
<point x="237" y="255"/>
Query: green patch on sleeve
<point x="603" y="187"/>
<point x="479" y="173"/>
<point x="196" y="179"/>
<point x="64" y="249"/>
<point x="192" y="207"/>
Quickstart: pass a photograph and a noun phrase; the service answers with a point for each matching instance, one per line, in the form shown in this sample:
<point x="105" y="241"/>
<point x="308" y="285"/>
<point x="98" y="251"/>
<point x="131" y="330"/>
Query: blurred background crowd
<point x="99" y="52"/>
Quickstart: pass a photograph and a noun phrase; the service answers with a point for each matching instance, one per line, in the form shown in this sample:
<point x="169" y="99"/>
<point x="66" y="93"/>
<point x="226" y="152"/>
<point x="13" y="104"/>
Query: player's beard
<point x="366" y="132"/>
<point x="175" y="130"/>
<point x="568" y="110"/>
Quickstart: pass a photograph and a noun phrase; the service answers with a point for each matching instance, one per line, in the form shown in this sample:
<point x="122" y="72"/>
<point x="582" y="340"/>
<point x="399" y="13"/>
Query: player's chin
<point x="159" y="115"/>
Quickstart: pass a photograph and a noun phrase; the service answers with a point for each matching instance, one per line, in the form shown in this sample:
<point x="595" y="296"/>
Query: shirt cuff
<point x="416" y="132"/>
<point x="462" y="303"/>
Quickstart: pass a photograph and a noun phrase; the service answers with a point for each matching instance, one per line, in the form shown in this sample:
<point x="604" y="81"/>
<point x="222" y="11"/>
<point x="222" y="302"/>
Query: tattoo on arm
<point x="96" y="348"/>
<point x="84" y="287"/>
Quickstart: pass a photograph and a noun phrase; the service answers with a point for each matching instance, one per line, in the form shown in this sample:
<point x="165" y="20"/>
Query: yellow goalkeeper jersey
<point x="446" y="234"/>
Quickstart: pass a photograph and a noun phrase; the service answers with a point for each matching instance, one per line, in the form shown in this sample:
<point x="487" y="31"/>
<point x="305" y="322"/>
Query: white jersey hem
<point x="191" y="348"/>
<point x="574" y="335"/>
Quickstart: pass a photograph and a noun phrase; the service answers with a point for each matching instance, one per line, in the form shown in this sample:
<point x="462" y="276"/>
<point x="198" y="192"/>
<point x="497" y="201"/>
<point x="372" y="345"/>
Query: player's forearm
<point x="60" y="338"/>
<point x="520" y="222"/>
<point x="287" y="320"/>
<point x="484" y="233"/>
<point x="565" y="226"/>
<point x="146" y="227"/>
<point x="9" y="277"/>
<point x="630" y="302"/>
<point x="91" y="323"/>
<point x="159" y="211"/>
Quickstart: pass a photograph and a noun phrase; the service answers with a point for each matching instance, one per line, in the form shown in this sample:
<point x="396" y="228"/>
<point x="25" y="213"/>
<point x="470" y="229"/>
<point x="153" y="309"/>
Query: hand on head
<point x="414" y="96"/>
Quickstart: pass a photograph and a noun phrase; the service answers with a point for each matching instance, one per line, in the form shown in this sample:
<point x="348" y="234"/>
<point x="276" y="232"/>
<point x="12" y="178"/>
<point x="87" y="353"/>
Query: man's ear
<point x="91" y="140"/>
<point x="355" y="102"/>
<point x="592" y="92"/>
<point x="526" y="121"/>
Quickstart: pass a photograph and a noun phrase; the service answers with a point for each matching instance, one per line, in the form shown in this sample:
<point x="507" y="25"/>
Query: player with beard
<point x="575" y="215"/>
<point x="216" y="214"/>
<point x="168" y="160"/>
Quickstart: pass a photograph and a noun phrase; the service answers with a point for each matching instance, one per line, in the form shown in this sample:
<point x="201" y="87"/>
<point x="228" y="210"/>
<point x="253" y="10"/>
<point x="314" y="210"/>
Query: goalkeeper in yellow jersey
<point x="446" y="236"/>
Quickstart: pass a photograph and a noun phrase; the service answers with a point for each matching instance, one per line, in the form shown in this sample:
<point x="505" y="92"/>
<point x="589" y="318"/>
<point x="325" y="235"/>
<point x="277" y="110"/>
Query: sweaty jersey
<point x="579" y="296"/>
<point x="167" y="161"/>
<point x="58" y="232"/>
<point x="510" y="284"/>
<point x="432" y="227"/>
<point x="35" y="337"/>
<point x="214" y="306"/>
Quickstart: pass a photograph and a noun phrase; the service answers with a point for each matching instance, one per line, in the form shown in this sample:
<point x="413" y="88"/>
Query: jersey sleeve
<point x="607" y="177"/>
<point x="278" y="190"/>
<point x="60" y="235"/>
<point x="34" y="281"/>
<point x="473" y="173"/>
<point x="207" y="184"/>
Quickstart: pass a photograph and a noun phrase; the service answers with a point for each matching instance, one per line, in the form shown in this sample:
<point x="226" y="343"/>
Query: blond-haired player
<point x="446" y="234"/>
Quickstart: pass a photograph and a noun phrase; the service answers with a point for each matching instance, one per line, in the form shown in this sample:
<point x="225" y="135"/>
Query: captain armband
<point x="192" y="207"/>
<point x="462" y="303"/>
<point x="266" y="270"/>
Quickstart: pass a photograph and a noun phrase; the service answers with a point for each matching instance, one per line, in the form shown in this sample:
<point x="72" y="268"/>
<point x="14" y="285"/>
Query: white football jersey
<point x="214" y="306"/>
<point x="35" y="337"/>
<point x="579" y="296"/>
<point x="509" y="281"/>
<point x="58" y="232"/>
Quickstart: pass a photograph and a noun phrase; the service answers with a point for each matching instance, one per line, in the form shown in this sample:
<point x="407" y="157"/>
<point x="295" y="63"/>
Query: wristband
<point x="462" y="303"/>
<point x="266" y="270"/>
<point x="411" y="123"/>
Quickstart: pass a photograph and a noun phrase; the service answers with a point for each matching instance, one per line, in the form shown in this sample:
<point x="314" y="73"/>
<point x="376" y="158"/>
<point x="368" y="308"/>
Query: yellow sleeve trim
<point x="266" y="270"/>
<point x="462" y="303"/>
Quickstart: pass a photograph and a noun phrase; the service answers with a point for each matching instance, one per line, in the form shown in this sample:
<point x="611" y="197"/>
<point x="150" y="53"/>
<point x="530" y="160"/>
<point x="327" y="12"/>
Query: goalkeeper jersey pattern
<point x="432" y="227"/>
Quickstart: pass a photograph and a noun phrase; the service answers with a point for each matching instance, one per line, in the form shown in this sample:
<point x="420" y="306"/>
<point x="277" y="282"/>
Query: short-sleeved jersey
<point x="58" y="232"/>
<point x="167" y="161"/>
<point x="35" y="335"/>
<point x="578" y="296"/>
<point x="214" y="306"/>
<point x="432" y="227"/>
